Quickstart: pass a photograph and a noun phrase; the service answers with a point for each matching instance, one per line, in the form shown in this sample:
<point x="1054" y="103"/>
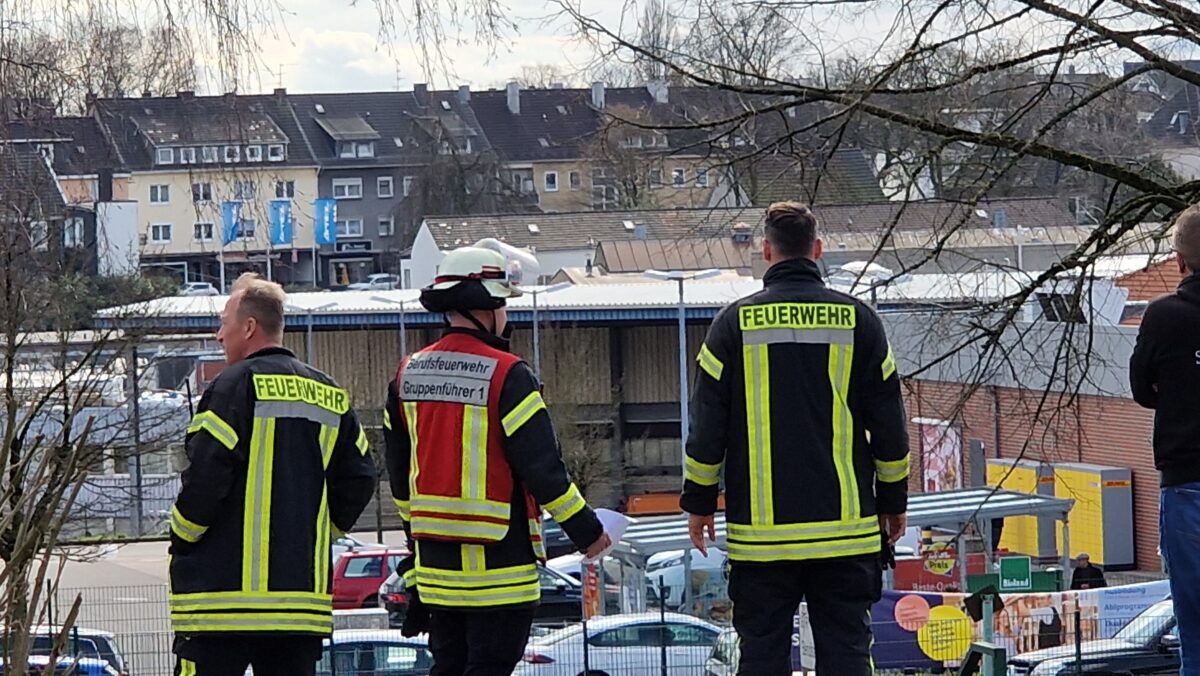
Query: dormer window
<point x="275" y="152"/>
<point x="346" y="150"/>
<point x="233" y="153"/>
<point x="209" y="154"/>
<point x="254" y="153"/>
<point x="187" y="155"/>
<point x="365" y="149"/>
<point x="164" y="156"/>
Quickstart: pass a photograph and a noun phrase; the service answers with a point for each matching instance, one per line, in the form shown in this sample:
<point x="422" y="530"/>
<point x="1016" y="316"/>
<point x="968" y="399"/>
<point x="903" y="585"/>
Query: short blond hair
<point x="261" y="299"/>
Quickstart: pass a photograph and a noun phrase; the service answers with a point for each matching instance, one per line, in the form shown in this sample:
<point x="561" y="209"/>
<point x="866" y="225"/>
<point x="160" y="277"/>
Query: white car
<point x="624" y="644"/>
<point x="374" y="651"/>
<point x="377" y="282"/>
<point x="198" y="289"/>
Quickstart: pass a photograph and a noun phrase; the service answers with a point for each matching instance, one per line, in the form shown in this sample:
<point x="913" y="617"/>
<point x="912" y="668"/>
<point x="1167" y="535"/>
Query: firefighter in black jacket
<point x="277" y="461"/>
<point x="473" y="458"/>
<point x="798" y="400"/>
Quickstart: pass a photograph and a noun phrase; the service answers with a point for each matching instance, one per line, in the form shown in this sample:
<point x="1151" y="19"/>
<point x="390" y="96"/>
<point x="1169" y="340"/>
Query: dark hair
<point x="791" y="229"/>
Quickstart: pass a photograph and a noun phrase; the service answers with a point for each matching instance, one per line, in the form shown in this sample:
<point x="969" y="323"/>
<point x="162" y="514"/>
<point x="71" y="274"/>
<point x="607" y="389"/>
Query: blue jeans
<point x="1179" y="518"/>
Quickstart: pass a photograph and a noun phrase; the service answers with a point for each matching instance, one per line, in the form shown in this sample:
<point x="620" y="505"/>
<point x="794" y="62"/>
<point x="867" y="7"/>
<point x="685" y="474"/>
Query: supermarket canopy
<point x="949" y="509"/>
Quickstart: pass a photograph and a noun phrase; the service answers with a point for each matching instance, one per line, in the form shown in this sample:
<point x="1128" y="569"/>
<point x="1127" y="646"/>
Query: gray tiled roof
<point x="28" y="189"/>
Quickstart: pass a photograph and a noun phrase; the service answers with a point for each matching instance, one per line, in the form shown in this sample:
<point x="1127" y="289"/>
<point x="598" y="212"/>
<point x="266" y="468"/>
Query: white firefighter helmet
<point x="470" y="278"/>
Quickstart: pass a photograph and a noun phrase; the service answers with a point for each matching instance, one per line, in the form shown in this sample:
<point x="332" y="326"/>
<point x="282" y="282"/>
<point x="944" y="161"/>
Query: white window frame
<point x="546" y="176"/>
<point x="210" y="154"/>
<point x="387" y="226"/>
<point x="285" y="190"/>
<point x="39" y="235"/>
<point x="205" y="196"/>
<point x="254" y="153"/>
<point x="163" y="190"/>
<point x="344" y="229"/>
<point x="275" y="153"/>
<point x="158" y="240"/>
<point x="346" y="151"/>
<point x="187" y="155"/>
<point x="241" y="231"/>
<point x="232" y="154"/>
<point x="241" y="194"/>
<point x="575" y="180"/>
<point x="679" y="177"/>
<point x="366" y="149"/>
<point x="73" y="226"/>
<point x="655" y="178"/>
<point x="198" y="228"/>
<point x="345" y="185"/>
<point x="406" y="185"/>
<point x="380" y="181"/>
<point x="164" y="156"/>
<point x="702" y="177"/>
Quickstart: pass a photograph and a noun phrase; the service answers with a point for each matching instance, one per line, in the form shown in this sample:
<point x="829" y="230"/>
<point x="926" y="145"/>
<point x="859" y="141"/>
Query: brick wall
<point x="1052" y="428"/>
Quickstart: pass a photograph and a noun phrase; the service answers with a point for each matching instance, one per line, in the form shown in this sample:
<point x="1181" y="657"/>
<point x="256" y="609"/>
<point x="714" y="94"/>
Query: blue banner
<point x="282" y="227"/>
<point x="325" y="220"/>
<point x="231" y="215"/>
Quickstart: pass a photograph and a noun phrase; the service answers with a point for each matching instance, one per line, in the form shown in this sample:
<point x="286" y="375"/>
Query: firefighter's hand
<point x="697" y="526"/>
<point x="597" y="548"/>
<point x="893" y="526"/>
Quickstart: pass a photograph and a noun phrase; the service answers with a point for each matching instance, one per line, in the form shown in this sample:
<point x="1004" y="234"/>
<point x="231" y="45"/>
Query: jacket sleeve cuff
<point x="583" y="528"/>
<point x="699" y="500"/>
<point x="891" y="498"/>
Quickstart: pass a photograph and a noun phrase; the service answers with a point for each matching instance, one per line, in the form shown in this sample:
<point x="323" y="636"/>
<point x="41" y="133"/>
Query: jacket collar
<point x="793" y="271"/>
<point x="268" y="351"/>
<point x="488" y="338"/>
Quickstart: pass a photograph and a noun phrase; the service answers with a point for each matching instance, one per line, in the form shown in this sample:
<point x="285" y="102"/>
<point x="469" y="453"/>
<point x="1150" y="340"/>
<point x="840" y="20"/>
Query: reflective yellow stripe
<point x="256" y="521"/>
<point x="472" y="559"/>
<point x="404" y="507"/>
<point x="279" y="387"/>
<point x="219" y="429"/>
<point x="511" y="595"/>
<point x="815" y="530"/>
<point x="444" y="505"/>
<point x="566" y="505"/>
<point x="523" y="412"/>
<point x="361" y="442"/>
<point x="181" y="526"/>
<point x="387" y="419"/>
<point x="283" y="622"/>
<point x="328" y="439"/>
<point x="701" y="473"/>
<point x="758" y="428"/>
<point x="797" y="551"/>
<point x="709" y="362"/>
<point x="410" y="420"/>
<point x="187" y="667"/>
<point x="474" y="453"/>
<point x="426" y="526"/>
<point x="840" y="359"/>
<point x="202" y="599"/>
<point x="538" y="539"/>
<point x="889" y="364"/>
<point x="891" y="471"/>
<point x="478" y="576"/>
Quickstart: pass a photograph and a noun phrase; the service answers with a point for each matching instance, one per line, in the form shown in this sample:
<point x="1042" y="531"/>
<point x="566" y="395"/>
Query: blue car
<point x="68" y="666"/>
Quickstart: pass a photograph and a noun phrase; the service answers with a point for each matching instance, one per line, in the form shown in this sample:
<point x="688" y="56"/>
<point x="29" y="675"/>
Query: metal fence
<point x="1054" y="640"/>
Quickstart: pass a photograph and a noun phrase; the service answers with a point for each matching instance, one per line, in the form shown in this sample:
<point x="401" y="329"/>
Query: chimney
<point x="557" y="85"/>
<point x="421" y="94"/>
<point x="464" y="94"/>
<point x="589" y="267"/>
<point x="598" y="95"/>
<point x="280" y="92"/>
<point x="185" y="94"/>
<point x="146" y="93"/>
<point x="91" y="103"/>
<point x="514" y="98"/>
<point x="659" y="90"/>
<point x="104" y="185"/>
<point x="1184" y="120"/>
<point x="742" y="234"/>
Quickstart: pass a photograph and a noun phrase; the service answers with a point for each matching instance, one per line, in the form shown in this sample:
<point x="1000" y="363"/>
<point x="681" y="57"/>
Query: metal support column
<point x="960" y="545"/>
<point x="1065" y="582"/>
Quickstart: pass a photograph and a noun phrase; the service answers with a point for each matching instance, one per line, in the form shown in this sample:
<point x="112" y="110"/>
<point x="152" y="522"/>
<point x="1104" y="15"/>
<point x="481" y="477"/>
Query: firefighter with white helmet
<point x="473" y="460"/>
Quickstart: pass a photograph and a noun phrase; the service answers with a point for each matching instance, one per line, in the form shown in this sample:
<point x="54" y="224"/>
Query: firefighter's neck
<point x="486" y="318"/>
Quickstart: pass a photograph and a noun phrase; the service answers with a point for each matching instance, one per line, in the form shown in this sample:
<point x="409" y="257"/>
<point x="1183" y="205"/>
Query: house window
<point x="656" y="179"/>
<point x="385" y="186"/>
<point x="202" y="232"/>
<point x="165" y="156"/>
<point x="350" y="227"/>
<point x="245" y="228"/>
<point x="604" y="197"/>
<point x="365" y="149"/>
<point x="39" y="235"/>
<point x="160" y="194"/>
<point x="347" y="188"/>
<point x="73" y="233"/>
<point x="187" y="155"/>
<point x="575" y="180"/>
<point x="160" y="233"/>
<point x="702" y="178"/>
<point x="244" y="190"/>
<point x="346" y="150"/>
<point x="208" y="154"/>
<point x="407" y="185"/>
<point x="233" y="154"/>
<point x="598" y="174"/>
<point x="387" y="226"/>
<point x="678" y="177"/>
<point x="254" y="153"/>
<point x="202" y="192"/>
<point x="550" y="178"/>
<point x="275" y="152"/>
<point x="285" y="189"/>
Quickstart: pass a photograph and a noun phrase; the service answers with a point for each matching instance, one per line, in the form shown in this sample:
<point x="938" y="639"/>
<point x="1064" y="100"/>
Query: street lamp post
<point x="537" y="345"/>
<point x="403" y="325"/>
<point x="308" y="327"/>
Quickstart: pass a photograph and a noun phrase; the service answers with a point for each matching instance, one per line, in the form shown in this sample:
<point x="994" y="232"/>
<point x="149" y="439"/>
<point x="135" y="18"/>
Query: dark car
<point x="562" y="599"/>
<point x="1147" y="645"/>
<point x="557" y="542"/>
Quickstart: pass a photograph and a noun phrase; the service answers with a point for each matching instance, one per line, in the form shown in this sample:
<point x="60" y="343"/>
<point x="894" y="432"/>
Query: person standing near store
<point x="1163" y="375"/>
<point x="798" y="401"/>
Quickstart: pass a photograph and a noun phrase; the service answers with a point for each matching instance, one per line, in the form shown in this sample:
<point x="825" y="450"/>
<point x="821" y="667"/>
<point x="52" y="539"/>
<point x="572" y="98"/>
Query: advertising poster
<point x="941" y="455"/>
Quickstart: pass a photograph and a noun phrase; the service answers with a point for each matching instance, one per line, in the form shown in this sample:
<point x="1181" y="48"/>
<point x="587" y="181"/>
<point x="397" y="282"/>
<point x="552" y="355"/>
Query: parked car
<point x="82" y="642"/>
<point x="725" y="655"/>
<point x="358" y="575"/>
<point x="374" y="652"/>
<point x="198" y="289"/>
<point x="562" y="599"/>
<point x="623" y="644"/>
<point x="1148" y="644"/>
<point x="377" y="282"/>
<point x="65" y="666"/>
<point x="347" y="543"/>
<point x="665" y="571"/>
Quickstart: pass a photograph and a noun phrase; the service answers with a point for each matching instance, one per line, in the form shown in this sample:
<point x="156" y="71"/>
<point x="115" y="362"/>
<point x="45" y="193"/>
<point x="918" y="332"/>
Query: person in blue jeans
<point x="1164" y="375"/>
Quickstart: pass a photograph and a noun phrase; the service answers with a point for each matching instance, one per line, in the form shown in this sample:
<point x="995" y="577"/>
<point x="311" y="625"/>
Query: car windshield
<point x="1150" y="625"/>
<point x="76" y="647"/>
